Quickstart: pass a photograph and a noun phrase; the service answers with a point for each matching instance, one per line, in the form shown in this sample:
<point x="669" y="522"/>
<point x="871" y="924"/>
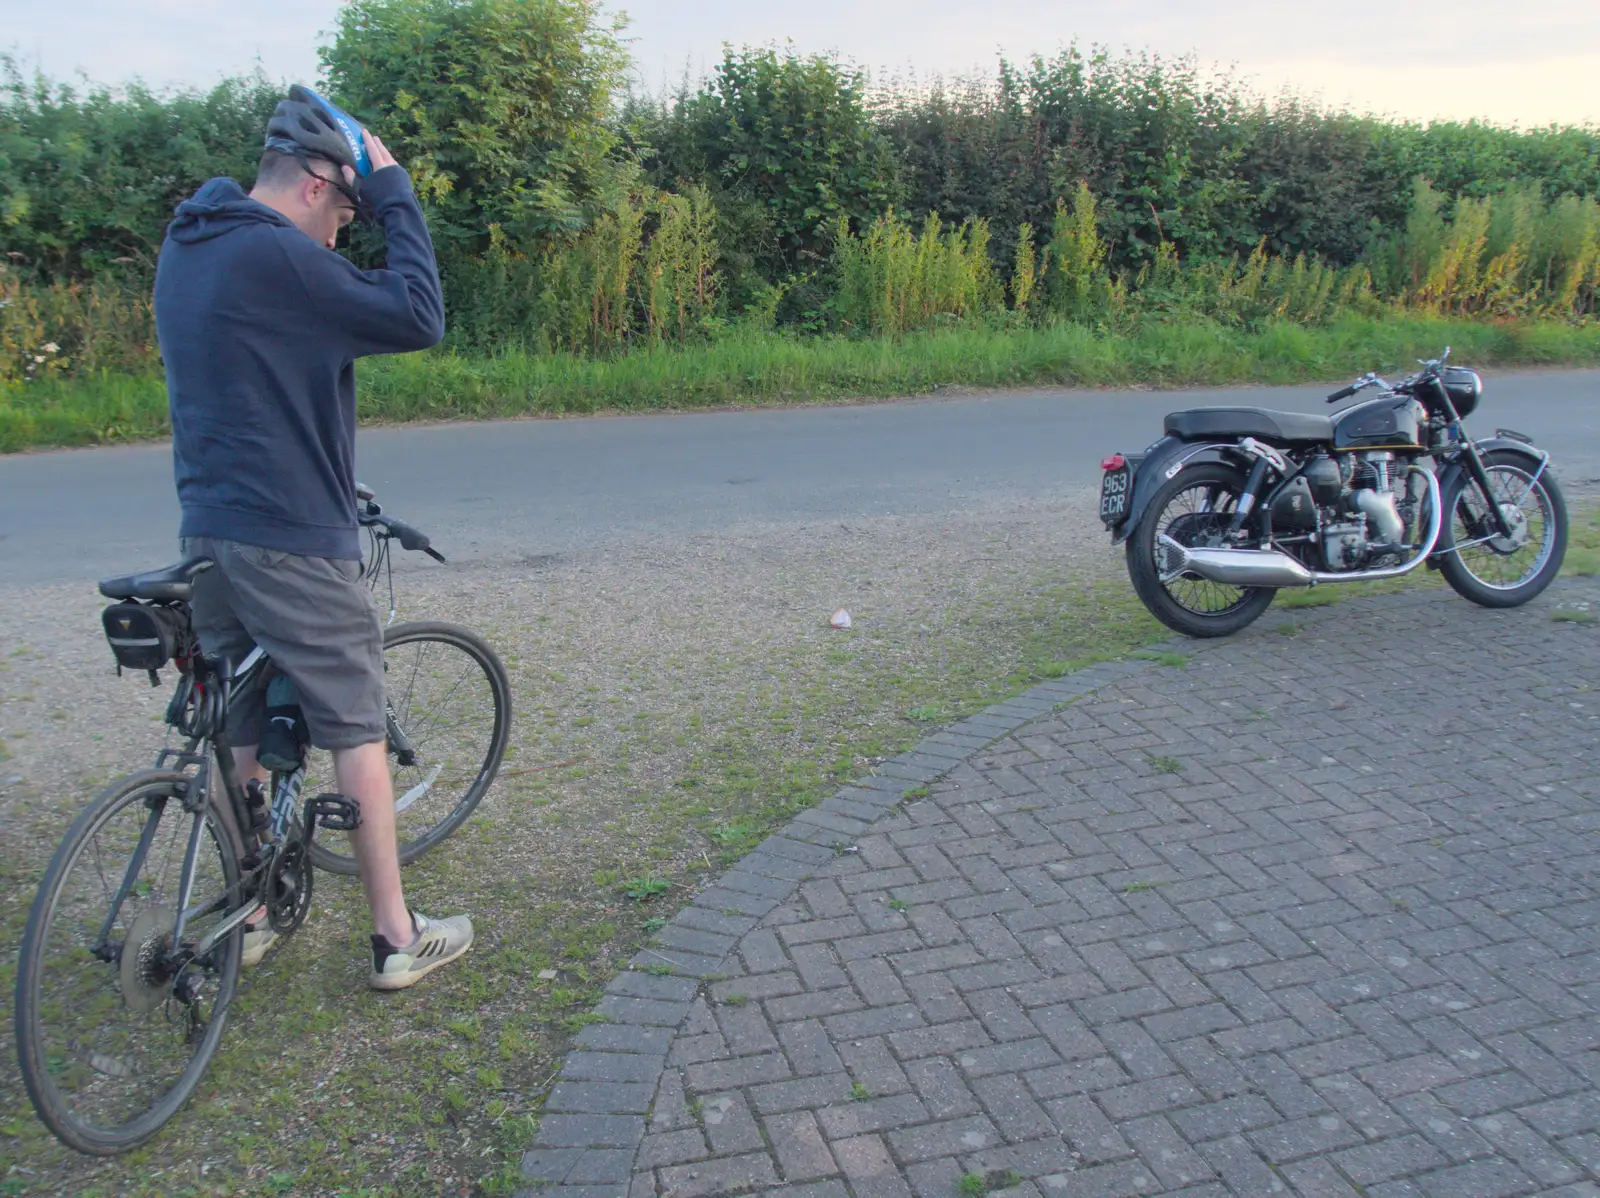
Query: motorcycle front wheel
<point x="1494" y="570"/>
<point x="1192" y="509"/>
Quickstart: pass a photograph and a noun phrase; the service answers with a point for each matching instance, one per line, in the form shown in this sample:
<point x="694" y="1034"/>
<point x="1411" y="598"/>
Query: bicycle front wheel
<point x="449" y="723"/>
<point x="115" y="1025"/>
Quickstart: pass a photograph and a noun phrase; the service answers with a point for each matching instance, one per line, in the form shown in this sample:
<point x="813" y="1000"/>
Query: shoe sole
<point x="403" y="981"/>
<point x="252" y="956"/>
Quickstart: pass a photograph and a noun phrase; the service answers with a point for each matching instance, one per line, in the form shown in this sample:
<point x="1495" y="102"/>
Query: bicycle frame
<point x="215" y="750"/>
<point x="202" y="753"/>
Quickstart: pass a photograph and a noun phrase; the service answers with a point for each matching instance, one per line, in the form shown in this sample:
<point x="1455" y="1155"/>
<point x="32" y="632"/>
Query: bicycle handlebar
<point x="410" y="538"/>
<point x="369" y="514"/>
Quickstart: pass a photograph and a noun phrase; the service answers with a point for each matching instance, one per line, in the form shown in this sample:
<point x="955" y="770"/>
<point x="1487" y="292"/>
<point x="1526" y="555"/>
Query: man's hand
<point x="377" y="151"/>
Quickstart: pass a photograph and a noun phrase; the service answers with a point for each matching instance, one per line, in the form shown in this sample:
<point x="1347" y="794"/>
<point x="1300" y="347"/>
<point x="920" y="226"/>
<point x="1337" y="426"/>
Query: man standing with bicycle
<point x="260" y="323"/>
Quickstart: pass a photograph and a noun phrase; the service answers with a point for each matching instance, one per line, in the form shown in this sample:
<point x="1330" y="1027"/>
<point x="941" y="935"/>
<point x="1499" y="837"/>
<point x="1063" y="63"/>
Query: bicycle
<point x="127" y="970"/>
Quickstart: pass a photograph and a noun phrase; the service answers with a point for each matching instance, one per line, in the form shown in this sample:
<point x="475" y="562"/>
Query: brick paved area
<point x="1316" y="914"/>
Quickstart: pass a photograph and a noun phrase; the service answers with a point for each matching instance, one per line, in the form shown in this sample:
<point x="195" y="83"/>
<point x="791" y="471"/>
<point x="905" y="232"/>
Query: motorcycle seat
<point x="1286" y="428"/>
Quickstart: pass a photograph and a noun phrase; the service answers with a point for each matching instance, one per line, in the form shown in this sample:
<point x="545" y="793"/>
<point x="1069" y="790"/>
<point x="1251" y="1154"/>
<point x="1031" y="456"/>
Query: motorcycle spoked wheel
<point x="1193" y="509"/>
<point x="1495" y="571"/>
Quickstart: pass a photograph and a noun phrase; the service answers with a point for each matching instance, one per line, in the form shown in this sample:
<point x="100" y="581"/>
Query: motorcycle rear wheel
<point x="1192" y="508"/>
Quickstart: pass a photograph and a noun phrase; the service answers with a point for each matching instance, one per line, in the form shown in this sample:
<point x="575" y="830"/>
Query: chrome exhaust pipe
<point x="1274" y="568"/>
<point x="1248" y="567"/>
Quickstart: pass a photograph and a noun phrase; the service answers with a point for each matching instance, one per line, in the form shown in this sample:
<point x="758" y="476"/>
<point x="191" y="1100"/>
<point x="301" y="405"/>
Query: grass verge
<point x="1583" y="542"/>
<point x="771" y="369"/>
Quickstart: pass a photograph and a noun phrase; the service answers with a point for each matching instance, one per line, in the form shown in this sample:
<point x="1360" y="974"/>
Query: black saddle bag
<point x="147" y="636"/>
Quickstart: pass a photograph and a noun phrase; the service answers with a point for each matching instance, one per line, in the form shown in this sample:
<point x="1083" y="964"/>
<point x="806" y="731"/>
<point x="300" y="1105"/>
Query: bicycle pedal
<point x="332" y="811"/>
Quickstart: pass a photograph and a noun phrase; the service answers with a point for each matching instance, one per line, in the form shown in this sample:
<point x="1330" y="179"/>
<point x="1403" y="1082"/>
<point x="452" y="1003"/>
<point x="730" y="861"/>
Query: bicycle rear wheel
<point x="450" y="703"/>
<point x="109" y="1050"/>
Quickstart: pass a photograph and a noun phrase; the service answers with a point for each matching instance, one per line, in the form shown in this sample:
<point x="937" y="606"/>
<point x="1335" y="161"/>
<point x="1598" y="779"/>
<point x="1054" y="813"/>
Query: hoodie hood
<point x="219" y="207"/>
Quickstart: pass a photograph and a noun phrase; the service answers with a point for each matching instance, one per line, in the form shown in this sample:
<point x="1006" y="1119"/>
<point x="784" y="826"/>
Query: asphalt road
<point x="524" y="489"/>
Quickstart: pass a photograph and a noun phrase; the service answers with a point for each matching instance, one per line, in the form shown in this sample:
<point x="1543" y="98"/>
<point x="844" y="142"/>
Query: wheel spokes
<point x="1493" y="559"/>
<point x="113" y="1035"/>
<point x="444" y="702"/>
<point x="1196" y="516"/>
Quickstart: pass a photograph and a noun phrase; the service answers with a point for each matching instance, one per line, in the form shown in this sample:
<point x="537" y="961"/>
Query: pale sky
<point x="1527" y="62"/>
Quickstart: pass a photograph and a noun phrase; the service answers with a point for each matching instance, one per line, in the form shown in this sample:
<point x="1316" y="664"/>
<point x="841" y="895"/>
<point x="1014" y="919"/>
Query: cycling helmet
<point x="306" y="126"/>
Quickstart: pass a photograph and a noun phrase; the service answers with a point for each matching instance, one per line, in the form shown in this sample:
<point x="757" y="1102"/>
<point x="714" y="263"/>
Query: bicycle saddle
<point x="174" y="582"/>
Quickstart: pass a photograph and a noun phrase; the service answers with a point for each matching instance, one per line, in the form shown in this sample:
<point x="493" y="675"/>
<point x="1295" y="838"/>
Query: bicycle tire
<point x="482" y="773"/>
<point x="39" y="1060"/>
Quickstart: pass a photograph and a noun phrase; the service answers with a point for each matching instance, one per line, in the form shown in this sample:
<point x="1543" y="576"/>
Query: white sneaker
<point x="256" y="943"/>
<point x="438" y="942"/>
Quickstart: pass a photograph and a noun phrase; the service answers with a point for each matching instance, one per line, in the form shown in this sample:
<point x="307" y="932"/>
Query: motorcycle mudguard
<point x="1157" y="464"/>
<point x="1530" y="453"/>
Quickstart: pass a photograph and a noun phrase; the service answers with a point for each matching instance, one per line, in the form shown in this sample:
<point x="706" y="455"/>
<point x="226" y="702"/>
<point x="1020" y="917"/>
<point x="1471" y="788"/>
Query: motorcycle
<point x="1232" y="505"/>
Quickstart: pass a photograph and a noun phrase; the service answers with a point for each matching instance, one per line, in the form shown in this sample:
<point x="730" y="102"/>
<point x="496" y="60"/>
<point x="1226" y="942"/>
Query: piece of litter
<point x="548" y="975"/>
<point x="841" y="619"/>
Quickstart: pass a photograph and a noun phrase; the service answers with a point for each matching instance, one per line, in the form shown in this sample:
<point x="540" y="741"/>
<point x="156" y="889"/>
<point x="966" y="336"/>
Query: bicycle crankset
<point x="288" y="892"/>
<point x="145" y="976"/>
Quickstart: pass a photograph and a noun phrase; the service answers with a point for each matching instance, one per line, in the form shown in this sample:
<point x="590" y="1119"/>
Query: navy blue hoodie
<point x="260" y="328"/>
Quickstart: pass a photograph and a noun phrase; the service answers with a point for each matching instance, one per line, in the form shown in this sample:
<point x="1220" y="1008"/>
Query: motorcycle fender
<point x="1534" y="457"/>
<point x="1159" y="463"/>
<point x="1531" y="454"/>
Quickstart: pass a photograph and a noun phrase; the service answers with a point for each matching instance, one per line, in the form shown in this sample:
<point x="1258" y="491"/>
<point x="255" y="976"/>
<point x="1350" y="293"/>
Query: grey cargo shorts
<point x="314" y="617"/>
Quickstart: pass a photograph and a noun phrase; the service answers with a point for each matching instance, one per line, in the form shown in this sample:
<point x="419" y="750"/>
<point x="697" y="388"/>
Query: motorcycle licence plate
<point x="1115" y="489"/>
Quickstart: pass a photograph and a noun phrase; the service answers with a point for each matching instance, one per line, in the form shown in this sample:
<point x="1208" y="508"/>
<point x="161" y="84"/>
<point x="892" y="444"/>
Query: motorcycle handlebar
<point x="1346" y="393"/>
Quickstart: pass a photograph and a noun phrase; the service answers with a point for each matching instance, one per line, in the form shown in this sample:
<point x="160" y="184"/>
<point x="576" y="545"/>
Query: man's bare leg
<point x="363" y="775"/>
<point x="246" y="765"/>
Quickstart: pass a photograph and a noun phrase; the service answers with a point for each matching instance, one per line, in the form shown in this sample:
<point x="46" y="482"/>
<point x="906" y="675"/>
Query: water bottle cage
<point x="256" y="798"/>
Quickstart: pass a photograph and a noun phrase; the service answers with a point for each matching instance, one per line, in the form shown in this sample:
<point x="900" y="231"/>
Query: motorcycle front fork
<point x="1480" y="477"/>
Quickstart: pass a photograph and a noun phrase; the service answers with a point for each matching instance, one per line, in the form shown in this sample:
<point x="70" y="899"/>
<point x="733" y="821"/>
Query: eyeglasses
<point x="356" y="206"/>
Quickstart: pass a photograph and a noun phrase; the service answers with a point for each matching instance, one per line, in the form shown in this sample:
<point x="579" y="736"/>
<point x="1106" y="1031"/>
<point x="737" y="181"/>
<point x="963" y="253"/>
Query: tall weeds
<point x="60" y="329"/>
<point x="645" y="276"/>
<point x="1507" y="255"/>
<point x="892" y="281"/>
<point x="1077" y="285"/>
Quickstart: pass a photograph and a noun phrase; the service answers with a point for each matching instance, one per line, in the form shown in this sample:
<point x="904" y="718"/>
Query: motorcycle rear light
<point x="1115" y="462"/>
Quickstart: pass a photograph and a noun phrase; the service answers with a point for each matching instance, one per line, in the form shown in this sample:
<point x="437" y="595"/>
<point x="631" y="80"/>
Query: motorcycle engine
<point x="1364" y="525"/>
<point x="1346" y="546"/>
<point x="1349" y="505"/>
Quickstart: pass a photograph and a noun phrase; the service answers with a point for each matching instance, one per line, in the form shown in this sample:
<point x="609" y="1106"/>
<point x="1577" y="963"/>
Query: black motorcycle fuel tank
<point x="1390" y="422"/>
